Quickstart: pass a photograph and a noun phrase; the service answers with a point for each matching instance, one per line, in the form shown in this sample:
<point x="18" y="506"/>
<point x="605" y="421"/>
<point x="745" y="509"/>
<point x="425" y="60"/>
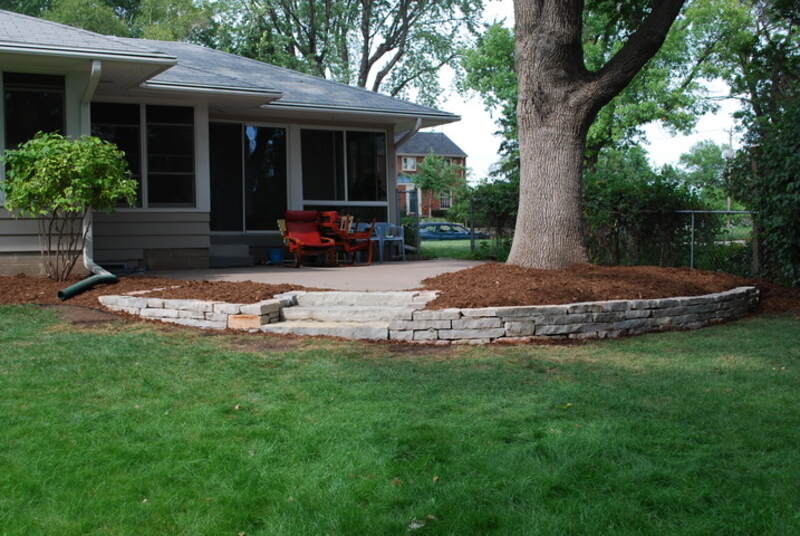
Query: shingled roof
<point x="25" y="31"/>
<point x="299" y="89"/>
<point x="423" y="143"/>
<point x="202" y="67"/>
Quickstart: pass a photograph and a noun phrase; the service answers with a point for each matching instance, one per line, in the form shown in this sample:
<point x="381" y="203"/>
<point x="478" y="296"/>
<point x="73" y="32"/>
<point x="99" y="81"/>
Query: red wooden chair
<point x="349" y="242"/>
<point x="303" y="236"/>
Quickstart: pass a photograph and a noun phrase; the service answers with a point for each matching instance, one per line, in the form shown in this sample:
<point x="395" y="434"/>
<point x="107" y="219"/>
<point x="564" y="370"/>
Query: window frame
<point x="346" y="202"/>
<point x="404" y="159"/>
<point x="144" y="168"/>
<point x="445" y="195"/>
<point x="243" y="125"/>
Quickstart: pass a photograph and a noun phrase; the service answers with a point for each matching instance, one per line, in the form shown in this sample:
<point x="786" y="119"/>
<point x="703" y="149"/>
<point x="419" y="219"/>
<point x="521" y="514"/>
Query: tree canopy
<point x="393" y="46"/>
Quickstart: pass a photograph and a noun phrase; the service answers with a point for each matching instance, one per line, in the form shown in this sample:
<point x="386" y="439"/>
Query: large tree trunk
<point x="558" y="99"/>
<point x="549" y="229"/>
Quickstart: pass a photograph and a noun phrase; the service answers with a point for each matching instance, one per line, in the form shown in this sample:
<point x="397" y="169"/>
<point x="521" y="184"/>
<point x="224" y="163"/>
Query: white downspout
<point x="88" y="245"/>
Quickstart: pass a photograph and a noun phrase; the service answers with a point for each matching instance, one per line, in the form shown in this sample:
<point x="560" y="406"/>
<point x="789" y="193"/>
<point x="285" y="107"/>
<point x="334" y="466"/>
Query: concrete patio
<point x="384" y="276"/>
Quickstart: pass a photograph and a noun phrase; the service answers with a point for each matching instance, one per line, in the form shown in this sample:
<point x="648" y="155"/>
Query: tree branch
<point x="640" y="47"/>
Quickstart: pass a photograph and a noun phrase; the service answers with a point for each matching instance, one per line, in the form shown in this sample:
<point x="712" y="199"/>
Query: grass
<point x="136" y="429"/>
<point x="448" y="249"/>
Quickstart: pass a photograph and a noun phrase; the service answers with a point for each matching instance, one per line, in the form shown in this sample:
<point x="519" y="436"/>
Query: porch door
<point x="248" y="177"/>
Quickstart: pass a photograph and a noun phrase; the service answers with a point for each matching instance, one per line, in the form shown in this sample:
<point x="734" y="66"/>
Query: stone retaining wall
<point x="599" y="320"/>
<point x="576" y="320"/>
<point x="200" y="313"/>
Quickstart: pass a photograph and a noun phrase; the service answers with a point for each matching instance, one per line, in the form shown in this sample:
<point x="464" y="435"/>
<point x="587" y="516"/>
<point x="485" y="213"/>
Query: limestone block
<point x="682" y="320"/>
<point x="488" y="333"/>
<point x="159" y="313"/>
<point x="477" y="323"/>
<point x="109" y="301"/>
<point x="155" y="303"/>
<point x="420" y="324"/>
<point x="637" y="313"/>
<point x="261" y="308"/>
<point x="217" y="317"/>
<point x="228" y="308"/>
<point x="192" y="314"/>
<point x="437" y="314"/>
<point x="131" y="301"/>
<point x="191" y="322"/>
<point x="425" y="335"/>
<point x="401" y="334"/>
<point x="557" y="329"/>
<point x="520" y="329"/>
<point x="189" y="305"/>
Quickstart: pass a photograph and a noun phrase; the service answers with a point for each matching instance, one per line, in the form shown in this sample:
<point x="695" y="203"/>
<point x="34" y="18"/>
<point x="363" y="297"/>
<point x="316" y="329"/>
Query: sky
<point x="475" y="132"/>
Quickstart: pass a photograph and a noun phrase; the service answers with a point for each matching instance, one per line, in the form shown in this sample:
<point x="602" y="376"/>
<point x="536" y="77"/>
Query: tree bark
<point x="558" y="99"/>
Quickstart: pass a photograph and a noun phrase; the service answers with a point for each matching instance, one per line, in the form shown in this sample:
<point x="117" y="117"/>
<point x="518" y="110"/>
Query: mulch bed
<point x="496" y="284"/>
<point x="492" y="284"/>
<point x="24" y="289"/>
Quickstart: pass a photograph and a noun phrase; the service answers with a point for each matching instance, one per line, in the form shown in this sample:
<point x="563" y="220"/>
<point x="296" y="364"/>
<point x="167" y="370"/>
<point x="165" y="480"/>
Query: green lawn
<point x="449" y="249"/>
<point x="135" y="429"/>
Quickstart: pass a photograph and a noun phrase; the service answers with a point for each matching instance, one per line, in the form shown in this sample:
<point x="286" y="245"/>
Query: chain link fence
<point x="716" y="240"/>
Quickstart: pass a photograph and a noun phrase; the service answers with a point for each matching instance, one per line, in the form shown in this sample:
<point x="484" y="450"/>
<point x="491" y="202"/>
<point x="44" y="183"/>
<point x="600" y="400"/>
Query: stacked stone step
<point x="200" y="313"/>
<point x="352" y="315"/>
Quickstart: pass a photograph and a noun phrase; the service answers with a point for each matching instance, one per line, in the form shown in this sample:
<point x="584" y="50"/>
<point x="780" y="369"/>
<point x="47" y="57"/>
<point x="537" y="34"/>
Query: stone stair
<point x="352" y="315"/>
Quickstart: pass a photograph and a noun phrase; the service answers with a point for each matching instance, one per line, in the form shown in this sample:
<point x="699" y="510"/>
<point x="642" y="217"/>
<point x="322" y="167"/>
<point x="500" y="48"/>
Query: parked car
<point x="446" y="231"/>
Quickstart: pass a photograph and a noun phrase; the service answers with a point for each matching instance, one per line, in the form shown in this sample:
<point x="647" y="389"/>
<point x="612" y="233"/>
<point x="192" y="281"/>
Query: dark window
<point x="225" y="145"/>
<point x="264" y="177"/>
<point x="323" y="164"/>
<point x="119" y="124"/>
<point x="366" y="166"/>
<point x="361" y="214"/>
<point x="170" y="156"/>
<point x="33" y="103"/>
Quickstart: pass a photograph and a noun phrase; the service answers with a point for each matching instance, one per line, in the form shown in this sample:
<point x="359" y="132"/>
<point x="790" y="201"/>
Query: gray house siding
<point x="152" y="240"/>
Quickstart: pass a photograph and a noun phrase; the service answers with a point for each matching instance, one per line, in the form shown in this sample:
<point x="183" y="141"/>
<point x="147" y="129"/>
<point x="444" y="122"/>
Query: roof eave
<point x="437" y="118"/>
<point x="267" y="94"/>
<point x="157" y="58"/>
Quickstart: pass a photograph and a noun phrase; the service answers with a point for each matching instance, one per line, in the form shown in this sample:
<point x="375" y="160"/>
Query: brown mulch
<point x="24" y="289"/>
<point x="492" y="284"/>
<point x="496" y="284"/>
<point x="227" y="291"/>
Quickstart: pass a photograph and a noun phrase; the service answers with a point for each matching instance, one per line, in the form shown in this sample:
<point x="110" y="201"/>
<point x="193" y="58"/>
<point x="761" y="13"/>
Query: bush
<point x="58" y="180"/>
<point x="765" y="176"/>
<point x="631" y="216"/>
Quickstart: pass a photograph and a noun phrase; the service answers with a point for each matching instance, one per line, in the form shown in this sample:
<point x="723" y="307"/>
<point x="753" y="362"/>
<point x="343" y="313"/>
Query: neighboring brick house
<point x="410" y="199"/>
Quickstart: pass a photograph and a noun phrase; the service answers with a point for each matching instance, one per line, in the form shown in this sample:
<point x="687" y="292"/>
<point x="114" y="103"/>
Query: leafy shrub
<point x="58" y="180"/>
<point x="630" y="213"/>
<point x="765" y="176"/>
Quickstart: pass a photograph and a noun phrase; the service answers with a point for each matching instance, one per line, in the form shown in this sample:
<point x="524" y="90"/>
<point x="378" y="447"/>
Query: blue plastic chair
<point x="391" y="234"/>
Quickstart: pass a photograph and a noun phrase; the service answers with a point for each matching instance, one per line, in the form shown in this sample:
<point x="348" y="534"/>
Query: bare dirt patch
<point x="496" y="284"/>
<point x="83" y="316"/>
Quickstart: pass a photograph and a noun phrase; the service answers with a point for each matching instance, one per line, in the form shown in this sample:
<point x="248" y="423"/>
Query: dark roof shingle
<point x="425" y="142"/>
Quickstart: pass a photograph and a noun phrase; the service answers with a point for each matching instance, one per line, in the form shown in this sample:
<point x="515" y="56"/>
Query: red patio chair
<point x="303" y="237"/>
<point x="349" y="242"/>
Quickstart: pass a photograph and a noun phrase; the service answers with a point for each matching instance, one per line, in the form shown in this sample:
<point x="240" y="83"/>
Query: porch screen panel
<point x="323" y="164"/>
<point x="264" y="177"/>
<point x="366" y="166"/>
<point x="120" y="124"/>
<point x="33" y="102"/>
<point x="225" y="146"/>
<point x="170" y="156"/>
<point x="359" y="213"/>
